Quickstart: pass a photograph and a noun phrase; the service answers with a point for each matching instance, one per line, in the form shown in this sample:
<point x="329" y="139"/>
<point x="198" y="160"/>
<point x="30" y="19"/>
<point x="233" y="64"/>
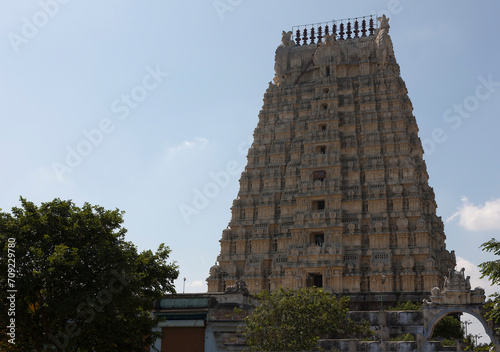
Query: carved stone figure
<point x="407" y="262"/>
<point x="351" y="227"/>
<point x="330" y="39"/>
<point x="240" y="286"/>
<point x="286" y="39"/>
<point x="281" y="57"/>
<point x="456" y="280"/>
<point x="384" y="22"/>
<point x="384" y="43"/>
<point x="402" y="224"/>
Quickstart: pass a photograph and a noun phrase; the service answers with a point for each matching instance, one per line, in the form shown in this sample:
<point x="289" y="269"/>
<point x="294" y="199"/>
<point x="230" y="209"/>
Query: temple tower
<point x="335" y="193"/>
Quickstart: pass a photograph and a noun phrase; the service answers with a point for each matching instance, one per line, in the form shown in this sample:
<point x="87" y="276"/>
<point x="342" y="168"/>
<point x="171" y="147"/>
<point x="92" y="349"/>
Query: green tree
<point x="294" y="320"/>
<point x="406" y="306"/>
<point x="449" y="328"/>
<point x="491" y="270"/>
<point x="79" y="286"/>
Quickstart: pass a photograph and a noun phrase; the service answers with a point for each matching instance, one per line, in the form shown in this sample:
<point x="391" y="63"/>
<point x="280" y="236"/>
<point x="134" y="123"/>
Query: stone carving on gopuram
<point x="335" y="192"/>
<point x="456" y="291"/>
<point x="455" y="297"/>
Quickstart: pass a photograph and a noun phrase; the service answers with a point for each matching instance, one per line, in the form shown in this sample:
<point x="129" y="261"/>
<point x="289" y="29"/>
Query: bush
<point x="406" y="306"/>
<point x="404" y="337"/>
<point x="448" y="342"/>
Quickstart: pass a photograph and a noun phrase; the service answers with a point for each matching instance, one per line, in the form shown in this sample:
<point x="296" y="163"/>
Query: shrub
<point x="406" y="306"/>
<point x="404" y="337"/>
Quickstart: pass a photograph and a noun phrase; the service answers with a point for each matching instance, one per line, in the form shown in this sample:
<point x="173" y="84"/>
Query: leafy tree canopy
<point x="79" y="285"/>
<point x="491" y="270"/>
<point x="449" y="327"/>
<point x="294" y="320"/>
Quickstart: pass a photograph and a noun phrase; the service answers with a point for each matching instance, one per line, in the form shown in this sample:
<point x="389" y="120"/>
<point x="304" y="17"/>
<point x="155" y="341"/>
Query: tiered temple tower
<point x="335" y="193"/>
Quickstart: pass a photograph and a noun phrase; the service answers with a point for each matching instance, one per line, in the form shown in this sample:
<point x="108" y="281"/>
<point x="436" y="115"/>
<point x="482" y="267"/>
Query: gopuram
<point x="335" y="193"/>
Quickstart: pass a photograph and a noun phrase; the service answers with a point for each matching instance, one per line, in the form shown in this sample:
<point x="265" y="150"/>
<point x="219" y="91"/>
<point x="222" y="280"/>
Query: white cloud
<point x="478" y="218"/>
<point x="473" y="271"/>
<point x="194" y="145"/>
<point x="196" y="286"/>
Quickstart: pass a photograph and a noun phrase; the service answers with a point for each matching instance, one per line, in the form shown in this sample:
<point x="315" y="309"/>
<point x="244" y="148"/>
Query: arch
<point x="441" y="312"/>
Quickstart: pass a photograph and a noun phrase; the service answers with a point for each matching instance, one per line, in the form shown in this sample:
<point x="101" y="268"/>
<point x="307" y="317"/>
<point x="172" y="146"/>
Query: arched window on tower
<point x="319" y="239"/>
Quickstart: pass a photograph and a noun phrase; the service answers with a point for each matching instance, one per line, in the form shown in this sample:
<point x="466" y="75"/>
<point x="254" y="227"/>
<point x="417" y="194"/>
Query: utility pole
<point x="465" y="323"/>
<point x="477" y="336"/>
<point x="184" y="285"/>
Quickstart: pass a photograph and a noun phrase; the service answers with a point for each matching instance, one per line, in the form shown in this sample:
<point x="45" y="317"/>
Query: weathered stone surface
<point x="456" y="291"/>
<point x="222" y="322"/>
<point x="335" y="192"/>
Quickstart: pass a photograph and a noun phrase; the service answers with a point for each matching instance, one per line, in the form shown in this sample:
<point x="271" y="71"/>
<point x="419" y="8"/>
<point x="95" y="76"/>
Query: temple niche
<point x="335" y="192"/>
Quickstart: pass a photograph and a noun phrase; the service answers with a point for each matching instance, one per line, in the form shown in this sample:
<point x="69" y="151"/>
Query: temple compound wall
<point x="209" y="322"/>
<point x="335" y="192"/>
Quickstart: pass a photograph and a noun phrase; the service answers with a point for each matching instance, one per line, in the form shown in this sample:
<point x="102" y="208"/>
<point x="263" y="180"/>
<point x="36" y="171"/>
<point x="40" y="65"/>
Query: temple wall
<point x="216" y="317"/>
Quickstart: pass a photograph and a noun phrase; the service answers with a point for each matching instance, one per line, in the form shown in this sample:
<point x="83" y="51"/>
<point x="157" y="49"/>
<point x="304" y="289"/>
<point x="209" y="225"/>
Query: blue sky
<point x="144" y="105"/>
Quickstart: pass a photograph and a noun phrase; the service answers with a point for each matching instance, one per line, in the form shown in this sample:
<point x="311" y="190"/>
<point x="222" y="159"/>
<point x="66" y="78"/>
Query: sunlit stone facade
<point x="335" y="192"/>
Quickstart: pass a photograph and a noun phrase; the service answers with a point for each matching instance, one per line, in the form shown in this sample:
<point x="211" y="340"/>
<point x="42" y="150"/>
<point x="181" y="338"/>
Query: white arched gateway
<point x="455" y="297"/>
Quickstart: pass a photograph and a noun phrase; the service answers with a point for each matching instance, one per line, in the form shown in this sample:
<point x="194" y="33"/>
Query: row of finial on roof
<point x="354" y="28"/>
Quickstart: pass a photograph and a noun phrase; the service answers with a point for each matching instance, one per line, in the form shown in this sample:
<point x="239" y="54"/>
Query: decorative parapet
<point x="456" y="290"/>
<point x="334" y="42"/>
<point x="455" y="297"/>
